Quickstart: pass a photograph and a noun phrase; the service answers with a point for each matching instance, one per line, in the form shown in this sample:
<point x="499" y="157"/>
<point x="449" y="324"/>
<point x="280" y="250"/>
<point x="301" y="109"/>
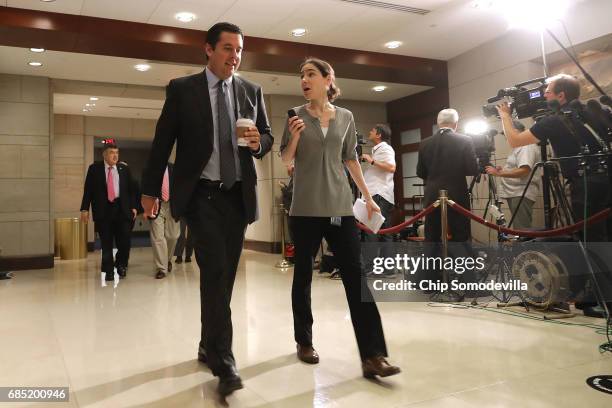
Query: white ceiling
<point x="87" y="67"/>
<point x="329" y="22"/>
<point x="109" y="106"/>
<point x="452" y="27"/>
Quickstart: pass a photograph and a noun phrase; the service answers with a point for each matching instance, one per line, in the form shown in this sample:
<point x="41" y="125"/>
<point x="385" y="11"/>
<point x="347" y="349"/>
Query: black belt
<point x="216" y="184"/>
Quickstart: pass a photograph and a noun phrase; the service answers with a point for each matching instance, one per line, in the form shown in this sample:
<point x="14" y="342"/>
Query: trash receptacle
<point x="71" y="238"/>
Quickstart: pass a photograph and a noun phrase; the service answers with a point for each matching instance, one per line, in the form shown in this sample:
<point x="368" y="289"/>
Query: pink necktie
<point x="165" y="191"/>
<point x="110" y="185"/>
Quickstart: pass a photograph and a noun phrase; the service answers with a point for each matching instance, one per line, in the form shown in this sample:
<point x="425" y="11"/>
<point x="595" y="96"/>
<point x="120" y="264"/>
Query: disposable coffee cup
<point x="242" y="125"/>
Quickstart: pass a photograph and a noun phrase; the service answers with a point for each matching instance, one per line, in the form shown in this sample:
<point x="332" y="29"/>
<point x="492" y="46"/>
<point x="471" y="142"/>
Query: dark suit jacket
<point x="187" y="119"/>
<point x="95" y="193"/>
<point x="445" y="159"/>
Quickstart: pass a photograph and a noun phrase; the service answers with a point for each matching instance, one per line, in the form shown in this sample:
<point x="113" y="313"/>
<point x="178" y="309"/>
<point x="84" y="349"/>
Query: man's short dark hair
<point x="567" y="84"/>
<point x="214" y="33"/>
<point x="384" y="131"/>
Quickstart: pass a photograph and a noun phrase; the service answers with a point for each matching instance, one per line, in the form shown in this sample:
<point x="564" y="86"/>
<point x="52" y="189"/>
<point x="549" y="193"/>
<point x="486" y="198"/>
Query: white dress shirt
<point x="378" y="180"/>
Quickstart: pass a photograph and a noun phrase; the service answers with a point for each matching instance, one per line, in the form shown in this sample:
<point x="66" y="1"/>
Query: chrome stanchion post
<point x="283" y="263"/>
<point x="444" y="224"/>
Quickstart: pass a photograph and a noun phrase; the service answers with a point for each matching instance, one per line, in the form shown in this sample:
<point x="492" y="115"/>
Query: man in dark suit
<point x="445" y="159"/>
<point x="214" y="186"/>
<point x="109" y="191"/>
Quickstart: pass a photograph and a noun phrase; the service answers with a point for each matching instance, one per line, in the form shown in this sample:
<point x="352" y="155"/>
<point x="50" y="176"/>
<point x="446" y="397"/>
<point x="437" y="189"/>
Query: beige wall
<point x="25" y="176"/>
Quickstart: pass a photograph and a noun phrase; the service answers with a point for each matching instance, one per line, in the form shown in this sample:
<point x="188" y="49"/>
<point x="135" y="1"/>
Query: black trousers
<point x="114" y="230"/>
<point x="458" y="226"/>
<point x="598" y="198"/>
<point x="598" y="192"/>
<point x="184" y="243"/>
<point x="344" y="239"/>
<point x="217" y="221"/>
<point x="385" y="209"/>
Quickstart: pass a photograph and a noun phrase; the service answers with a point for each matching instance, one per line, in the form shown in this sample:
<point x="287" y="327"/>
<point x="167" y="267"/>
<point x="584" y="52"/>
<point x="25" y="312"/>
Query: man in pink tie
<point x="109" y="191"/>
<point x="164" y="229"/>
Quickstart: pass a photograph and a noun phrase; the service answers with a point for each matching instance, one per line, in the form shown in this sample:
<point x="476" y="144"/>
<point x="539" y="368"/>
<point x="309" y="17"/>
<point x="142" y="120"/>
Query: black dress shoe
<point x="188" y="259"/>
<point x="122" y="271"/>
<point x="169" y="267"/>
<point x="160" y="274"/>
<point x="229" y="384"/>
<point x="178" y="260"/>
<point x="110" y="276"/>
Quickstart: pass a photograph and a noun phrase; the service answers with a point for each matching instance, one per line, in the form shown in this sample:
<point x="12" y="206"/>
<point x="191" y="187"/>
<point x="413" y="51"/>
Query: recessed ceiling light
<point x="88" y="104"/>
<point x="93" y="98"/>
<point x="142" y="67"/>
<point x="393" y="44"/>
<point x="85" y="110"/>
<point x="298" y="32"/>
<point x="379" y="88"/>
<point x="35" y="64"/>
<point x="47" y="1"/>
<point x="37" y="49"/>
<point x="185" y="16"/>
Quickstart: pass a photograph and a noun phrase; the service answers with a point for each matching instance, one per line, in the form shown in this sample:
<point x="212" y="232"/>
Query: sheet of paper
<point x="361" y="213"/>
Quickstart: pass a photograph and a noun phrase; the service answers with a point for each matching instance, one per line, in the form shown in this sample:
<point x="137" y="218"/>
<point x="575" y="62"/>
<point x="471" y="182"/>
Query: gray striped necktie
<point x="226" y="149"/>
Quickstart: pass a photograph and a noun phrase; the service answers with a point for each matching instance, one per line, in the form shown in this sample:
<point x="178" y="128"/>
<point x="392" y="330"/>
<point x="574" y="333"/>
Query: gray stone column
<point x="26" y="183"/>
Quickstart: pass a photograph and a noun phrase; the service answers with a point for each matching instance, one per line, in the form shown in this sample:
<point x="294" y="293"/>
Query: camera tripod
<point x="557" y="209"/>
<point x="501" y="267"/>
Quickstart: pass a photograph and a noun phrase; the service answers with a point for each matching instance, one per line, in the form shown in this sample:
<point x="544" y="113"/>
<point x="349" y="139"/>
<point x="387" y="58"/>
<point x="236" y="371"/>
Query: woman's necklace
<point x="322" y="117"/>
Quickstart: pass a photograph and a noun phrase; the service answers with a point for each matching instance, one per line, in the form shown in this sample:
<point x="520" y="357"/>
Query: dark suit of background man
<point x="214" y="184"/>
<point x="445" y="159"/>
<point x="109" y="191"/>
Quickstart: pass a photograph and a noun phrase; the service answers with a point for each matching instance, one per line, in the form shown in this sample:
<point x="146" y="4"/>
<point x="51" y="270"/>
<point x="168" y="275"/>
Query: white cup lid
<point x="244" y="122"/>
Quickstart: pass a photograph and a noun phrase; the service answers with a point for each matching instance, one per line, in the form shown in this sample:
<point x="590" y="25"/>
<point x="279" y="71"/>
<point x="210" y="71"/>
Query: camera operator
<point x="513" y="179"/>
<point x="567" y="135"/>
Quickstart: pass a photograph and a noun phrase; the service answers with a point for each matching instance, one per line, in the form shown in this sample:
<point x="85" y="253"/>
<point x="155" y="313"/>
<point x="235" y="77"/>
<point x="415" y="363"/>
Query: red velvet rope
<point x="399" y="227"/>
<point x="527" y="233"/>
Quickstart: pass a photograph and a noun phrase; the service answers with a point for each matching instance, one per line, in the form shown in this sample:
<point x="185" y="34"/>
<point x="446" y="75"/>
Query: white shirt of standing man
<point x="379" y="175"/>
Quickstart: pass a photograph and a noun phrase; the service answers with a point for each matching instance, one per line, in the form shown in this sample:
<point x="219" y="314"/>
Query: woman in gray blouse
<point x="321" y="140"/>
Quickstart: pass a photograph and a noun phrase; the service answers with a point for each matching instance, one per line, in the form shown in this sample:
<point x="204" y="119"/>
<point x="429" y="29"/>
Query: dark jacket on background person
<point x="95" y="192"/>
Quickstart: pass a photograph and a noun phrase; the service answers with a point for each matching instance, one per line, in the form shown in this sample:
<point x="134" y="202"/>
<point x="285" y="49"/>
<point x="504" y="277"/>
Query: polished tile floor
<point x="133" y="344"/>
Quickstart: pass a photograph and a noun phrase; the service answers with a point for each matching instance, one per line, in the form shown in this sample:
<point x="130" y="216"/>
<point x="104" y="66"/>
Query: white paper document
<point x="361" y="213"/>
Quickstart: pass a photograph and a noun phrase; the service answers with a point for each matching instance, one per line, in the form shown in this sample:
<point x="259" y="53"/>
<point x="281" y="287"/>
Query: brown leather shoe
<point x="307" y="354"/>
<point x="378" y="366"/>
